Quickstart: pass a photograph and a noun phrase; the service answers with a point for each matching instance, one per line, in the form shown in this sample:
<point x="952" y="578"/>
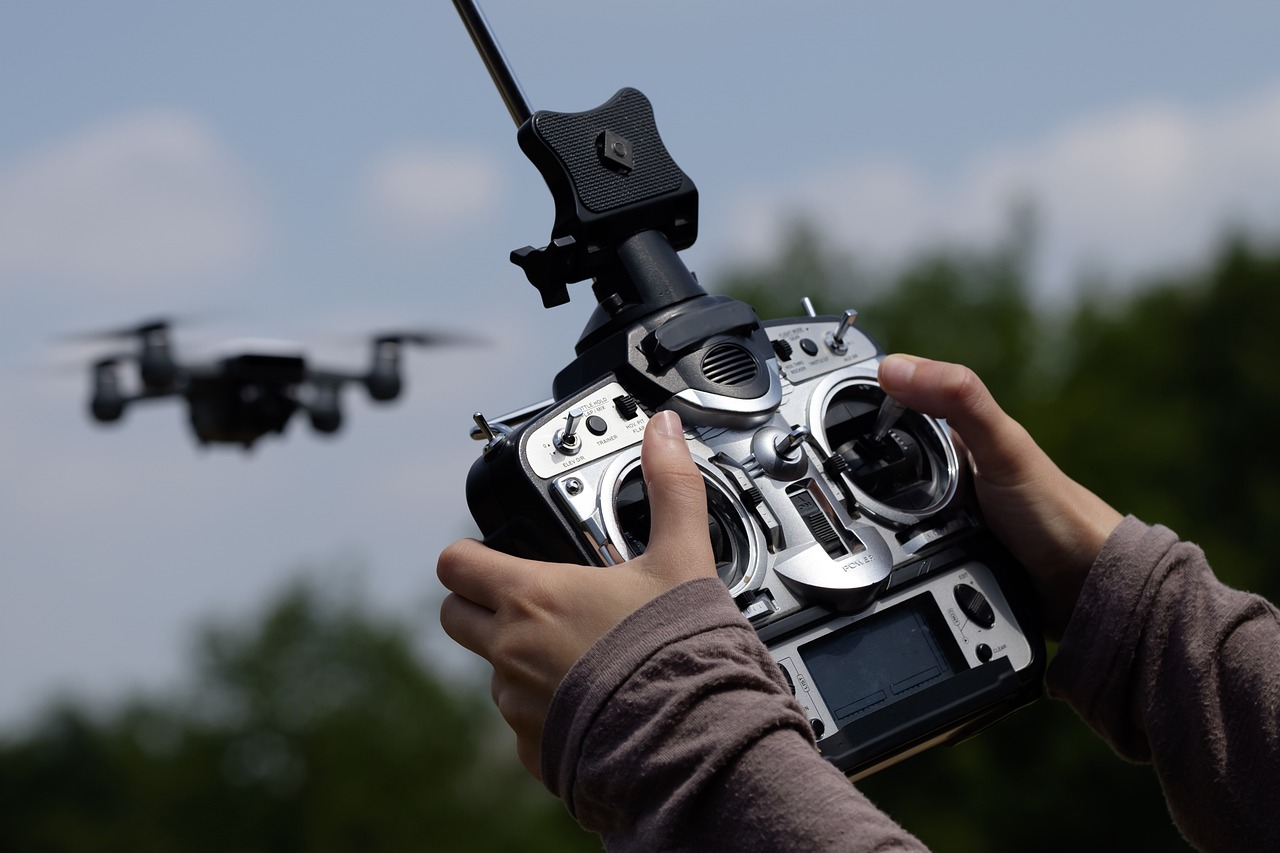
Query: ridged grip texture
<point x="571" y="136"/>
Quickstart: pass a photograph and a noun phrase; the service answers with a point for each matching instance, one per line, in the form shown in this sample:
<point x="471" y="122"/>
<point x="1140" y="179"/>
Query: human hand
<point x="532" y="620"/>
<point x="1052" y="525"/>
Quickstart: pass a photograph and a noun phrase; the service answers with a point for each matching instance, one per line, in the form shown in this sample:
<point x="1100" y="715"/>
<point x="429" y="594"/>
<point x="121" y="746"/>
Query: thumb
<point x="677" y="499"/>
<point x="1002" y="450"/>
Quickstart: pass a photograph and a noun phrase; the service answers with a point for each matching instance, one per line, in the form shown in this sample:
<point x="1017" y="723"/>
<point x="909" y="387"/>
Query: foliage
<point x="1172" y="402"/>
<point x="316" y="728"/>
<point x="958" y="303"/>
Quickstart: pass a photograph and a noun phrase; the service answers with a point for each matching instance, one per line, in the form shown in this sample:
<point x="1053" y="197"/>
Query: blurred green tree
<point x="315" y="728"/>
<point x="1171" y="401"/>
<point x="957" y="303"/>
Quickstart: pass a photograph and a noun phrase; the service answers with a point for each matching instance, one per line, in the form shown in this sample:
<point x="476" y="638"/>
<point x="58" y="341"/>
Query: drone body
<point x="252" y="388"/>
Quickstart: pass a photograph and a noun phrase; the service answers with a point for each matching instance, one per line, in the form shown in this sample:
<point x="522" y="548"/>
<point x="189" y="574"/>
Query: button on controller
<point x="975" y="605"/>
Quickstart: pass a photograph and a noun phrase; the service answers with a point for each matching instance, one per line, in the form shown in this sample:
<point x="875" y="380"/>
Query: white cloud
<point x="134" y="203"/>
<point x="1127" y="192"/>
<point x="419" y="197"/>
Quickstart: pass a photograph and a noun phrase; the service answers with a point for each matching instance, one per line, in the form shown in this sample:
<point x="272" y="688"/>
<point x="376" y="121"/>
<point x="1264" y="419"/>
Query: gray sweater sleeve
<point x="676" y="732"/>
<point x="1172" y="667"/>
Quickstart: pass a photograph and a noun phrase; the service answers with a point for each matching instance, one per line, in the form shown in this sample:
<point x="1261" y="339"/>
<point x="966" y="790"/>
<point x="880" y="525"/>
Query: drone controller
<point x="843" y="525"/>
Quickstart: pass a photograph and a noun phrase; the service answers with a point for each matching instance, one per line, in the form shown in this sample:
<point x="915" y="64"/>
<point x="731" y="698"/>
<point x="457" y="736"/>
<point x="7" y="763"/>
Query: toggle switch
<point x="566" y="440"/>
<point x="789" y="442"/>
<point x="835" y="340"/>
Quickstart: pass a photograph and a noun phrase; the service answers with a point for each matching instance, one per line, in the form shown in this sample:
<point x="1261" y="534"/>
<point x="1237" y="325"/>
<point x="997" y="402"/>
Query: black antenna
<point x="624" y="210"/>
<point x="491" y="53"/>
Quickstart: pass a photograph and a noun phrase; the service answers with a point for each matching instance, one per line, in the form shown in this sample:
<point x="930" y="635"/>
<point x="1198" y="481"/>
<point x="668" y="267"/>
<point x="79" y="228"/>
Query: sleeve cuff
<point x="1106" y="626"/>
<point x="694" y="607"/>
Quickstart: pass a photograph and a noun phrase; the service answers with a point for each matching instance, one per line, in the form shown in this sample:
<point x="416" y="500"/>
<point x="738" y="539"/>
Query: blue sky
<point x="314" y="171"/>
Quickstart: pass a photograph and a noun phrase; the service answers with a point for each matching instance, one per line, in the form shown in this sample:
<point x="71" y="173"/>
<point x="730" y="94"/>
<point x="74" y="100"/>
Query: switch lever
<point x="566" y="440"/>
<point x="835" y="340"/>
<point x="890" y="411"/>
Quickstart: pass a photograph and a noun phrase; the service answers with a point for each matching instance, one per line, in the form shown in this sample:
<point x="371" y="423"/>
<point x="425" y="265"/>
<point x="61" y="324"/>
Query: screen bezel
<point x="862" y="668"/>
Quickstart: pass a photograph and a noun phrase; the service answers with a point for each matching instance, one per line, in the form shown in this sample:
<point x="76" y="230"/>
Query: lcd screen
<point x="874" y="663"/>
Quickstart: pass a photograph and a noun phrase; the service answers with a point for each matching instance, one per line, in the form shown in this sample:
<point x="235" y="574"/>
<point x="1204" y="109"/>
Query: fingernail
<point x="668" y="423"/>
<point x="897" y="371"/>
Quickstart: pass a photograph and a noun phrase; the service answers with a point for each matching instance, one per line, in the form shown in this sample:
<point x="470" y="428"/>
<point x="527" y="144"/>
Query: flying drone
<point x="249" y="387"/>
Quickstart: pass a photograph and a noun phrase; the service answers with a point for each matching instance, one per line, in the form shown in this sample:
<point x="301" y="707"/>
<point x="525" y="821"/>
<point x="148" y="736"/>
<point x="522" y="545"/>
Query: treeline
<point x="316" y="726"/>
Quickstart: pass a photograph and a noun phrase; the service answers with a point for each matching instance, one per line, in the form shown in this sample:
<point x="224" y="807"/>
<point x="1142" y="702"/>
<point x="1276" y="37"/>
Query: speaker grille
<point x="729" y="364"/>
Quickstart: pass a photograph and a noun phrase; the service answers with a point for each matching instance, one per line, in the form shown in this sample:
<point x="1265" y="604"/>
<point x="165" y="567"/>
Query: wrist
<point x="1088" y="525"/>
